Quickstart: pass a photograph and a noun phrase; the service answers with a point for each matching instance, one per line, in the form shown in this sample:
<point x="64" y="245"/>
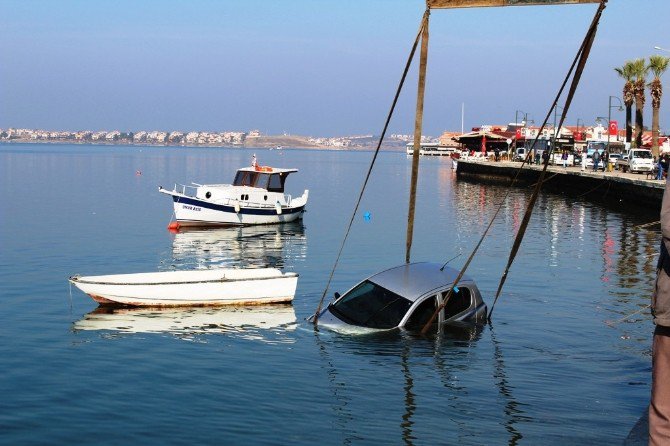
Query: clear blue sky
<point x="322" y="68"/>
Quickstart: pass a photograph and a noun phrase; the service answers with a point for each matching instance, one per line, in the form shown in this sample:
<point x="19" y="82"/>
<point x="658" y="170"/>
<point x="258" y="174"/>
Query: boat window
<point x="245" y="178"/>
<point x="276" y="183"/>
<point x="262" y="180"/>
<point x="422" y="314"/>
<point x="458" y="302"/>
<point x="369" y="305"/>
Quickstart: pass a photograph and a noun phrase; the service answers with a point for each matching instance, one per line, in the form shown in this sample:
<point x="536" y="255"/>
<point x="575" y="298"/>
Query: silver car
<point x="405" y="297"/>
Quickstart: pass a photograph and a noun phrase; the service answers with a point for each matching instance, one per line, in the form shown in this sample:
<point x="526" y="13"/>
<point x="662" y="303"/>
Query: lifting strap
<point x="424" y="23"/>
<point x="579" y="62"/>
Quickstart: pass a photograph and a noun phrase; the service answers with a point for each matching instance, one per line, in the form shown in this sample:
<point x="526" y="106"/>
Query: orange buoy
<point x="174" y="225"/>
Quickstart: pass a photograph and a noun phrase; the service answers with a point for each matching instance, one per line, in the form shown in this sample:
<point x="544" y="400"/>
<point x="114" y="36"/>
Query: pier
<point x="623" y="190"/>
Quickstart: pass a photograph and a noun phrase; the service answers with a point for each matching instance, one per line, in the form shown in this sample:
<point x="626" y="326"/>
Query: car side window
<point x="422" y="314"/>
<point x="458" y="302"/>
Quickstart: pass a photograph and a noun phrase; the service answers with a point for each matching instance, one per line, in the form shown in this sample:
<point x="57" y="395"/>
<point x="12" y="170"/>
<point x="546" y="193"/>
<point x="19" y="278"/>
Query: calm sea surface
<point x="547" y="370"/>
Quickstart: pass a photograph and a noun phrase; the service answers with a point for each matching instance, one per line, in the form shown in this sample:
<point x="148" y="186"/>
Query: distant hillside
<point x="284" y="141"/>
<point x="306" y="142"/>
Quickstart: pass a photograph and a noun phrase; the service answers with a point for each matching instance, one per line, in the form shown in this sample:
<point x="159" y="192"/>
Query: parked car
<point x="520" y="154"/>
<point x="557" y="159"/>
<point x="636" y="160"/>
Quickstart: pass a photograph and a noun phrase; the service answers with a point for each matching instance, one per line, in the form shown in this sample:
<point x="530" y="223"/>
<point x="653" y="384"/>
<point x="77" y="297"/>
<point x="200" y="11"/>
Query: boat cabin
<point x="267" y="178"/>
<point x="405" y="297"/>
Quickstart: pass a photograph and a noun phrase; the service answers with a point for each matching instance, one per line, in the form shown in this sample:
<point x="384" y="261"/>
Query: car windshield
<point x="369" y="305"/>
<point x="642" y="154"/>
<point x="600" y="146"/>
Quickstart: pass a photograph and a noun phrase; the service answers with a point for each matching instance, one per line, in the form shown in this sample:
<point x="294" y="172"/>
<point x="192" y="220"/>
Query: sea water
<point x="565" y="359"/>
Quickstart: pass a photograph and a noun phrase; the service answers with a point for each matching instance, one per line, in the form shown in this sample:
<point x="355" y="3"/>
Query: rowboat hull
<point x="214" y="287"/>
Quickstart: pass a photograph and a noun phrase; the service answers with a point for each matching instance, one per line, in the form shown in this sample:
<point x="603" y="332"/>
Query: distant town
<point x="504" y="137"/>
<point x="253" y="138"/>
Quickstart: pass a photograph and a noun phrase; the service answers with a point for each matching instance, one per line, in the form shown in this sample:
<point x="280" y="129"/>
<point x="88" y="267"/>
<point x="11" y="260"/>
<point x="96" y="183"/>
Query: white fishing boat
<point x="256" y="197"/>
<point x="211" y="287"/>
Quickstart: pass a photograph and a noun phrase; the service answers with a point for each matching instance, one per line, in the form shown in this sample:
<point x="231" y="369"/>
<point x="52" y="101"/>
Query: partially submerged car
<point x="405" y="297"/>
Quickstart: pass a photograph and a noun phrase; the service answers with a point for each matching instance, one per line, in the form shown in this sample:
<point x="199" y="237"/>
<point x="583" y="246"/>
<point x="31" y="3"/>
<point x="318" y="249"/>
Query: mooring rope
<point x="545" y="180"/>
<point x="609" y="185"/>
<point x="628" y="316"/>
<point x="653" y="223"/>
<point x="374" y="157"/>
<point x="601" y="184"/>
<point x="580" y="61"/>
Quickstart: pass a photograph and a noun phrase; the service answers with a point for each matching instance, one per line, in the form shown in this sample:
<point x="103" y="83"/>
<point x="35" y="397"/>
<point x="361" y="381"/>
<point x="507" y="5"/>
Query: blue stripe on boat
<point x="231" y="209"/>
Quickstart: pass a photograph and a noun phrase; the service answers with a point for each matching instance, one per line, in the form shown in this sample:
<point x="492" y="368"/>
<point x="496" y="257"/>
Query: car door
<point x="459" y="302"/>
<point x="421" y="313"/>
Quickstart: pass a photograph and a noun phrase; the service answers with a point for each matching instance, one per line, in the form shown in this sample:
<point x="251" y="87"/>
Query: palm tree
<point x="626" y="72"/>
<point x="657" y="65"/>
<point x="640" y="71"/>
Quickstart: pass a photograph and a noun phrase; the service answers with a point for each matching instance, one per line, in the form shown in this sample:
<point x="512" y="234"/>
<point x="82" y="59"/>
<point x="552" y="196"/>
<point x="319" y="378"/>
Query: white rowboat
<point x="211" y="287"/>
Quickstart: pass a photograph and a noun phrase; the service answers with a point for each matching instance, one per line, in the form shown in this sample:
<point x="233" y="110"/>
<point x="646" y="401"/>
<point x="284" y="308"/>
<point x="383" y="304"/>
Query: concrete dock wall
<point x="630" y="191"/>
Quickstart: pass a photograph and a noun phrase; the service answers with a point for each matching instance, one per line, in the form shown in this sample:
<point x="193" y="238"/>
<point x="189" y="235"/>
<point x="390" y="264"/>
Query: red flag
<point x="518" y="133"/>
<point x="483" y="143"/>
<point x="614" y="128"/>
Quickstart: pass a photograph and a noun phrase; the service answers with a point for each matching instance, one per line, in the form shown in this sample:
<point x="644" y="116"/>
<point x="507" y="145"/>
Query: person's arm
<point x="665" y="216"/>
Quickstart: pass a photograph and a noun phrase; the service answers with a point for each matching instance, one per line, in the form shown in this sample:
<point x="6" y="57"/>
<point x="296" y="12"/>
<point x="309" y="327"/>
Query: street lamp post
<point x="555" y="129"/>
<point x="516" y="116"/>
<point x="609" y="120"/>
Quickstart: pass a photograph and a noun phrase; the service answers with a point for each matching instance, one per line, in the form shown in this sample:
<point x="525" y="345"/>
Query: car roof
<point x="413" y="280"/>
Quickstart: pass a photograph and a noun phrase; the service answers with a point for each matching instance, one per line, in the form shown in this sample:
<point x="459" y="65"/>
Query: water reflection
<point x="266" y="246"/>
<point x="513" y="412"/>
<point x="449" y="354"/>
<point x="267" y="323"/>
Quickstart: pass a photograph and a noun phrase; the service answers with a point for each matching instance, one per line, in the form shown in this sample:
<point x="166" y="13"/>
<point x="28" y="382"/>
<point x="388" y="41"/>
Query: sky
<point x="309" y="67"/>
